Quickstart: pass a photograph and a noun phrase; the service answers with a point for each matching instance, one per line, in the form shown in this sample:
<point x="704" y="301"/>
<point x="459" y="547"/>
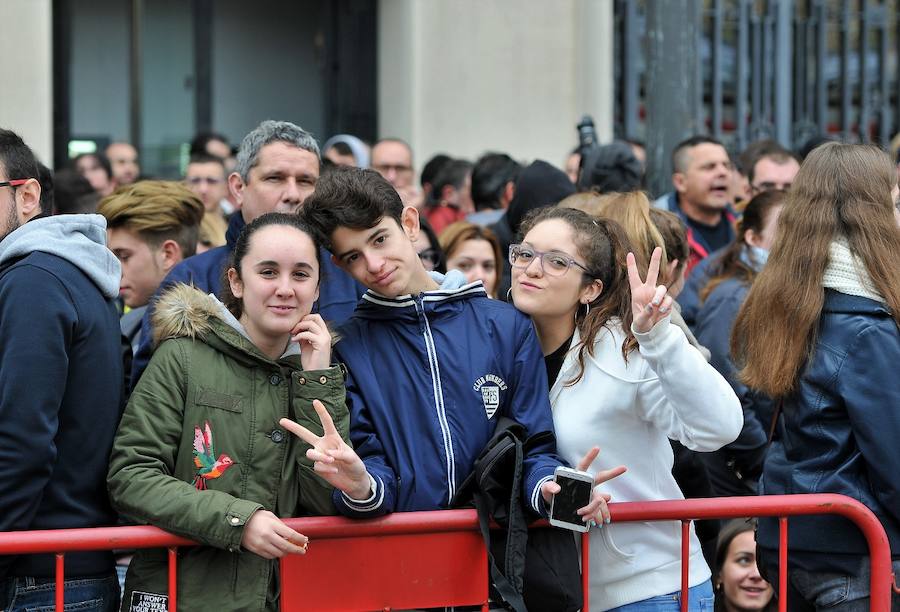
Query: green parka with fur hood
<point x="199" y="450"/>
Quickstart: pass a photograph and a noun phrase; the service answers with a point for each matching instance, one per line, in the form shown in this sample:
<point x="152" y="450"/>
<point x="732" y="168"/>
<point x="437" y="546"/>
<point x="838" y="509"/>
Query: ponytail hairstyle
<point x="631" y="210"/>
<point x="674" y="235"/>
<point x="235" y="305"/>
<point x="841" y="191"/>
<point x="603" y="245"/>
<point x="730" y="264"/>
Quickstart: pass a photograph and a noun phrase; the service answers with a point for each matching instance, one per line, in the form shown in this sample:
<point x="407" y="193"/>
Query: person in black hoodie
<point x="538" y="185"/>
<point x="61" y="385"/>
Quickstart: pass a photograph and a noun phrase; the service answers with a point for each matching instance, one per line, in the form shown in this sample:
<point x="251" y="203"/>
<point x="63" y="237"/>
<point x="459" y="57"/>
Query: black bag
<point x="535" y="570"/>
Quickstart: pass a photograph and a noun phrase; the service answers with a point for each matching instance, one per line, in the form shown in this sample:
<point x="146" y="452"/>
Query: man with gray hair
<point x="277" y="169"/>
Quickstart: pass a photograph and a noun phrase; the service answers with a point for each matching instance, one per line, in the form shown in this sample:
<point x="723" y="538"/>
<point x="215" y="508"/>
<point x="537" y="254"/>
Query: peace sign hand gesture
<point x="335" y="461"/>
<point x="649" y="302"/>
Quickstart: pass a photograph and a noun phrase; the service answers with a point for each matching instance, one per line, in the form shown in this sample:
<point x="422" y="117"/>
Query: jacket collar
<point x="836" y="302"/>
<point x="374" y="304"/>
<point x="235" y="225"/>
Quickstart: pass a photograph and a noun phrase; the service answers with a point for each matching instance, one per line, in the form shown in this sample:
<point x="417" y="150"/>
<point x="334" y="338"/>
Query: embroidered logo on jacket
<point x="205" y="457"/>
<point x="490" y="387"/>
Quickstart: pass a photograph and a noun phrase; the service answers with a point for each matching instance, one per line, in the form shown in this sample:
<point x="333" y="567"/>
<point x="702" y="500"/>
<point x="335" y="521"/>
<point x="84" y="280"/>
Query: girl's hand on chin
<point x="315" y="342"/>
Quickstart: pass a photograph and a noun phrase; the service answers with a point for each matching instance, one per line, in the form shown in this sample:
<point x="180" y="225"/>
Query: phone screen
<point x="573" y="495"/>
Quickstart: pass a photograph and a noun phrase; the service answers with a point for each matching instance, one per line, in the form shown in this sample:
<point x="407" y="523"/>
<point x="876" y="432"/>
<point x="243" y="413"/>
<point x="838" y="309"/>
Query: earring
<point x="587" y="309"/>
<point x="509" y="296"/>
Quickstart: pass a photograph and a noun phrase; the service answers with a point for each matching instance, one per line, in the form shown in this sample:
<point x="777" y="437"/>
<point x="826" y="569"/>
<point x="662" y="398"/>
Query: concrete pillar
<point x="26" y="95"/>
<point x="673" y="90"/>
<point x="465" y="76"/>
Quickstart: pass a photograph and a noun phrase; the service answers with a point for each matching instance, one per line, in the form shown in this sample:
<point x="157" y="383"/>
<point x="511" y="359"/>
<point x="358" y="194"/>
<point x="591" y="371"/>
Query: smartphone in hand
<point x="575" y="493"/>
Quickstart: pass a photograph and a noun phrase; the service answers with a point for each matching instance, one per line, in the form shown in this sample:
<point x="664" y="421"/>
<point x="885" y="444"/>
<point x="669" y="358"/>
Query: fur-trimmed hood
<point x="184" y="311"/>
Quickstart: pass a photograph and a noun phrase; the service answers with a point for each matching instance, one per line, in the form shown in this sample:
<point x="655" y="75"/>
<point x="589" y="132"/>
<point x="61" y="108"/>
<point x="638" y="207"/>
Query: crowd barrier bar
<point x="781" y="506"/>
<point x="323" y="529"/>
<point x="323" y="532"/>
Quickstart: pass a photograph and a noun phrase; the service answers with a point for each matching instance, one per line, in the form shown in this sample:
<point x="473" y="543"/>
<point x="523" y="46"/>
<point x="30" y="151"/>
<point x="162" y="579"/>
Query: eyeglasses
<point x="553" y="263"/>
<point x="398" y="169"/>
<point x="14" y="183"/>
<point x="430" y="257"/>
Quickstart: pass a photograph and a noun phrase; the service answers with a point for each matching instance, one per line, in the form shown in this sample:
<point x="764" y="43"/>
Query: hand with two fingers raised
<point x="334" y="460"/>
<point x="266" y="535"/>
<point x="315" y="342"/>
<point x="597" y="510"/>
<point x="649" y="303"/>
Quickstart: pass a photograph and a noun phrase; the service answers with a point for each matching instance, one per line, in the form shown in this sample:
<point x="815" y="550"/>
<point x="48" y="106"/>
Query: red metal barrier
<point x="377" y="547"/>
<point x="453" y="533"/>
<point x="781" y="506"/>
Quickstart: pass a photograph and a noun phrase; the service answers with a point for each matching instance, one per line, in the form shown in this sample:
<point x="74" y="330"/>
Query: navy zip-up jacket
<point x="61" y="385"/>
<point x="338" y="293"/>
<point x="428" y="377"/>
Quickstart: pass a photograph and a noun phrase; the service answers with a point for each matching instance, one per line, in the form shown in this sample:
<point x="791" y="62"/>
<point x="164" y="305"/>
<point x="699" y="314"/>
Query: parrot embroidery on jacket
<point x="205" y="457"/>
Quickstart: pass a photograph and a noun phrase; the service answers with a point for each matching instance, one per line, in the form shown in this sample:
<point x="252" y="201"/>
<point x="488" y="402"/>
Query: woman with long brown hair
<point x="620" y="373"/>
<point x="819" y="334"/>
<point x="735" y="469"/>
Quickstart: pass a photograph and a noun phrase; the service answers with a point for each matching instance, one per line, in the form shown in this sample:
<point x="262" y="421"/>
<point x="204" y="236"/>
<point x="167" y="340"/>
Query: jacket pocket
<point x="223" y="401"/>
<point x="609" y="544"/>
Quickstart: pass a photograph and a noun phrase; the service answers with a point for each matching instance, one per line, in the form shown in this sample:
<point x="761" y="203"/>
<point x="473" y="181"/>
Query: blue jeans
<point x="834" y="592"/>
<point x="700" y="599"/>
<point x="94" y="594"/>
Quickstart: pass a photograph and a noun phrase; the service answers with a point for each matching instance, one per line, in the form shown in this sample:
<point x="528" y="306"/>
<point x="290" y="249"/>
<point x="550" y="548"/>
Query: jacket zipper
<point x="438" y="398"/>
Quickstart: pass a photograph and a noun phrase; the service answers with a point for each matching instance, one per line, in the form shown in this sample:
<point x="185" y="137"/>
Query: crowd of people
<point x="293" y="331"/>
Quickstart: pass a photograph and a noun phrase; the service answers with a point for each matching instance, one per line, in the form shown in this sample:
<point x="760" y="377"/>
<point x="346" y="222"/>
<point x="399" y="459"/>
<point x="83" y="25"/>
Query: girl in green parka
<point x="201" y="452"/>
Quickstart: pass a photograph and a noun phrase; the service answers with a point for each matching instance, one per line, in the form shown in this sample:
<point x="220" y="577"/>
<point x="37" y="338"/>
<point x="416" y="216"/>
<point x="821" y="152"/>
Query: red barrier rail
<point x="781" y="506"/>
<point x="330" y="533"/>
<point x="451" y="534"/>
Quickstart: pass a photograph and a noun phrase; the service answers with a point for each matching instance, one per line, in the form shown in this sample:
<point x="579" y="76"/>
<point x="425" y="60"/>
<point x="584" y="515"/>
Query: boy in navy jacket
<point x="432" y="363"/>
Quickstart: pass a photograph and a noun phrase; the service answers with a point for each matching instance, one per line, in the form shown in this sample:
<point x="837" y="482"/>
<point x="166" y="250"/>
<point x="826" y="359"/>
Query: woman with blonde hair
<point x="818" y="333"/>
<point x="632" y="211"/>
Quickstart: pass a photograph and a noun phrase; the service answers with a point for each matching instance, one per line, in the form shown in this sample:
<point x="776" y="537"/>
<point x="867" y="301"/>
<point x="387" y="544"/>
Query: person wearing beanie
<point x="540" y="184"/>
<point x="611" y="168"/>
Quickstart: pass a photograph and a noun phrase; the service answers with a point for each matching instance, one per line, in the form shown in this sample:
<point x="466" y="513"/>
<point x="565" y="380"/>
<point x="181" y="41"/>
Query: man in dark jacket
<point x="277" y="169"/>
<point x="702" y="176"/>
<point x="61" y="384"/>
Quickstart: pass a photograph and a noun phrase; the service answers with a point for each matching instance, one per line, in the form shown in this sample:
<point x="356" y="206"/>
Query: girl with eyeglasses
<point x="620" y="373"/>
<point x="429" y="248"/>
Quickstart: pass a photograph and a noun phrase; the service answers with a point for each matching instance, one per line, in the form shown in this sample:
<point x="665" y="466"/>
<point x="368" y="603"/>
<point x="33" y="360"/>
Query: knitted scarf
<point x="847" y="274"/>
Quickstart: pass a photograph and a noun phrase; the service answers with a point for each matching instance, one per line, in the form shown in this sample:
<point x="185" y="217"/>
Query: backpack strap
<point x="775" y="414"/>
<point x="504" y="454"/>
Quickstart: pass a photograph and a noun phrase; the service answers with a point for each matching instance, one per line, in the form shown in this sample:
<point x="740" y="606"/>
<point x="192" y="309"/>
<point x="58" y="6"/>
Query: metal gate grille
<point x="783" y="69"/>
